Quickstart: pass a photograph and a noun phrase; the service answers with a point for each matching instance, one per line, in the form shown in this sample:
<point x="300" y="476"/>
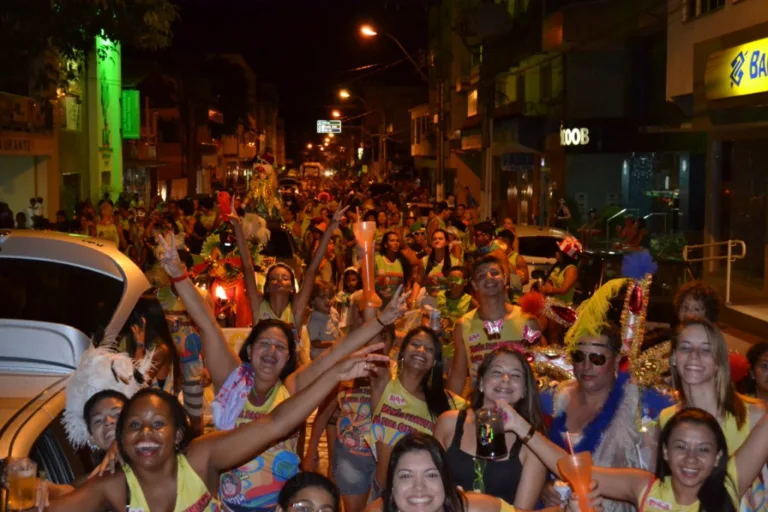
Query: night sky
<point x="307" y="47"/>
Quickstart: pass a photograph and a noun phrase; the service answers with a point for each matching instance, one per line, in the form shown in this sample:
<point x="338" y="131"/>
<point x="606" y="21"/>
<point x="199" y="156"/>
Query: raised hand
<point x="169" y="256"/>
<point x="361" y="363"/>
<point x="396" y="307"/>
<point x="512" y="419"/>
<point x="339" y="213"/>
<point x="112" y="459"/>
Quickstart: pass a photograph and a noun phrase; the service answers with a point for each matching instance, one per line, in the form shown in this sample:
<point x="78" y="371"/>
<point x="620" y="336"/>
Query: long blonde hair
<point x="728" y="401"/>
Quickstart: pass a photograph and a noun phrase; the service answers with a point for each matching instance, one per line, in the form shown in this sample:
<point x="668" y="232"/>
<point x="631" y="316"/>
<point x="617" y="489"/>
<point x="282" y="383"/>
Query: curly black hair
<point x="700" y="291"/>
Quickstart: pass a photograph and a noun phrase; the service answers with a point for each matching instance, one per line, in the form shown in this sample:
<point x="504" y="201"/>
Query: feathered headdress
<point x="100" y="369"/>
<point x="592" y="313"/>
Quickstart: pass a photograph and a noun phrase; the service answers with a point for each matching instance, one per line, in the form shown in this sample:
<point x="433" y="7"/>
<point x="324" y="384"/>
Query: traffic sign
<point x="333" y="126"/>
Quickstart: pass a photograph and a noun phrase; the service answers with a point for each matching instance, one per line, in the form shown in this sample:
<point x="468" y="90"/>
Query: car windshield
<point x="538" y="246"/>
<point x="47" y="291"/>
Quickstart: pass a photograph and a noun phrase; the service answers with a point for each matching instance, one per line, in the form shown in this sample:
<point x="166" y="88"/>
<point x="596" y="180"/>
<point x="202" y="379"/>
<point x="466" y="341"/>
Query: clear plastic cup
<point x="491" y="442"/>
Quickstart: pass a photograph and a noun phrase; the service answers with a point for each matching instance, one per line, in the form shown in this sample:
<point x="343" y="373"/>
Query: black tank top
<point x="501" y="478"/>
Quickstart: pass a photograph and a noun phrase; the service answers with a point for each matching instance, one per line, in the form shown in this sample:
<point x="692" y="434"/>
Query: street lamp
<point x="368" y="31"/>
<point x="336" y="114"/>
<point x="331" y="135"/>
<point x="309" y="146"/>
<point x="344" y="94"/>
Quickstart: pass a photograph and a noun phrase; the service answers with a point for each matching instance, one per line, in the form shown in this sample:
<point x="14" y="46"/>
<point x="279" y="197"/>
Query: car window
<point x="280" y="245"/>
<point x="56" y="457"/>
<point x="538" y="246"/>
<point x="54" y="292"/>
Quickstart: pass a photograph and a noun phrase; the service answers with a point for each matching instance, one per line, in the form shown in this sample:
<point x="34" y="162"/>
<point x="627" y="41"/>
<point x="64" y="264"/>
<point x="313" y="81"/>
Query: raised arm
<point x="299" y="379"/>
<point x="96" y="495"/>
<point x="459" y="365"/>
<point x="249" y="274"/>
<point x="227" y="449"/>
<point x="623" y="484"/>
<point x="752" y="455"/>
<point x="302" y="298"/>
<point x="221" y="358"/>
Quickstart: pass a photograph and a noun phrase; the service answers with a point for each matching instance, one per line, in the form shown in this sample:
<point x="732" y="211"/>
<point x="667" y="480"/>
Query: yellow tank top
<point x="389" y="275"/>
<point x="265" y="312"/>
<point x="660" y="497"/>
<point x="208" y="220"/>
<point x="191" y="493"/>
<point x="476" y="341"/>
<point x="437" y="269"/>
<point x="108" y="232"/>
<point x="506" y="507"/>
<point x="755" y="498"/>
<point x="354" y="421"/>
<point x="256" y="485"/>
<point x="557" y="279"/>
<point x="399" y="413"/>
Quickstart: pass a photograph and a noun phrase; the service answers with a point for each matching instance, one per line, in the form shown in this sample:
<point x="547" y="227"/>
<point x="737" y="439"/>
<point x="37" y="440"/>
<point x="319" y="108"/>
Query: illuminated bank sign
<point x="574" y="136"/>
<point x="737" y="71"/>
<point x="329" y="126"/>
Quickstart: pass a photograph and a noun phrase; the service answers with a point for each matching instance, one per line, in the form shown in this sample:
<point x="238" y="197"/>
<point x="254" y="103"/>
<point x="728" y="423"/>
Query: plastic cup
<point x="21" y="479"/>
<point x="577" y="469"/>
<point x="365" y="234"/>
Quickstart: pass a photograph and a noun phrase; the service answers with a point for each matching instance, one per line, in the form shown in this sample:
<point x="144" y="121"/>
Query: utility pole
<point x="487" y="97"/>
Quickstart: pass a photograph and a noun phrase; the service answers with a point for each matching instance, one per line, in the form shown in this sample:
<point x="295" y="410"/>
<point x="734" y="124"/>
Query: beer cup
<point x="491" y="443"/>
<point x="21" y="479"/>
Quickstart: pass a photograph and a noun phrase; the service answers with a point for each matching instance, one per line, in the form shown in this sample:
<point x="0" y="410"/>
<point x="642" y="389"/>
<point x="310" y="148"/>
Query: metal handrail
<point x="729" y="256"/>
<point x="656" y="214"/>
<point x="617" y="214"/>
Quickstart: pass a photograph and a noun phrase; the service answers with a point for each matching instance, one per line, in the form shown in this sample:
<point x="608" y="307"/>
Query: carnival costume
<point x="263" y="194"/>
<point x="616" y="437"/>
<point x="99" y="369"/>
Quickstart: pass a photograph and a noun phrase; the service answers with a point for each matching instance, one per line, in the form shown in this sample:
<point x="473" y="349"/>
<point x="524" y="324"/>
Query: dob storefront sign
<point x="737" y="71"/>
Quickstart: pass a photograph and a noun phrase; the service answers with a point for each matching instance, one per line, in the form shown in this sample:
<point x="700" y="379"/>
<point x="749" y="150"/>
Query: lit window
<point x="472" y="104"/>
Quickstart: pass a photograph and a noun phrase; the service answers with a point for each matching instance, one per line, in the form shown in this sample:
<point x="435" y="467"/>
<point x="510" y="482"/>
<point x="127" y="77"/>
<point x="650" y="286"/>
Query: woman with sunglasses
<point x="599" y="410"/>
<point x="702" y="377"/>
<point x="520" y="476"/>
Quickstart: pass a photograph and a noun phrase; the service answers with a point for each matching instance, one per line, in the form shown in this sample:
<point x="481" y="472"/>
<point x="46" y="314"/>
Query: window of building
<point x="695" y="8"/>
<point x="472" y="103"/>
<point x="708" y="6"/>
<point x="546" y="81"/>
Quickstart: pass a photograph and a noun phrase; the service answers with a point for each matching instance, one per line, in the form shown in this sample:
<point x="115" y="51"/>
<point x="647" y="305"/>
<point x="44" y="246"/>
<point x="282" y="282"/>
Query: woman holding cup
<point x="693" y="470"/>
<point x="516" y="475"/>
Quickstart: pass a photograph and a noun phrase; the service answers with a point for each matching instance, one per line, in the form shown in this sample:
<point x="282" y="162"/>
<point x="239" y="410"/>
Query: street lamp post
<point x="344" y="94"/>
<point x="368" y="31"/>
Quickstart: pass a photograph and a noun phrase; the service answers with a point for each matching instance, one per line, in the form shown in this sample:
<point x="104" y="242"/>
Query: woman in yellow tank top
<point x="495" y="323"/>
<point x="255" y="381"/>
<point x="693" y="471"/>
<point x="411" y="399"/>
<point x="701" y="374"/>
<point x="419" y="479"/>
<point x="163" y="471"/>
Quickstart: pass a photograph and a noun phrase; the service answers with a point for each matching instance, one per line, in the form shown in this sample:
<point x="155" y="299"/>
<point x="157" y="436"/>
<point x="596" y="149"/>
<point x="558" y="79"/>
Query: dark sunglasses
<point x="596" y="359"/>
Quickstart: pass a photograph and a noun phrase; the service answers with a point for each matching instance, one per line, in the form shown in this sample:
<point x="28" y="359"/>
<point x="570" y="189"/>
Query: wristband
<point x="179" y="279"/>
<point x="529" y="435"/>
<point x="380" y="322"/>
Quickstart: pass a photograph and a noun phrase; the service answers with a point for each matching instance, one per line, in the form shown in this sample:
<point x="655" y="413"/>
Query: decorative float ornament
<point x="638" y="268"/>
<point x="535" y="304"/>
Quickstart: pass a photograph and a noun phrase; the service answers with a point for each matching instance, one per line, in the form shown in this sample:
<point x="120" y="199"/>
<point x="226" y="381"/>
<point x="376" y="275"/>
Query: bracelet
<point x="529" y="435"/>
<point x="380" y="322"/>
<point x="179" y="279"/>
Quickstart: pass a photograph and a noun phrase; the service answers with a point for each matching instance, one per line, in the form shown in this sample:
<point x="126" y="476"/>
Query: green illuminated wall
<point x="106" y="146"/>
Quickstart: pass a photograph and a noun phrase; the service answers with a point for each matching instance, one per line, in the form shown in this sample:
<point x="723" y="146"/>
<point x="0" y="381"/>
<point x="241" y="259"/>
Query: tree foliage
<point x="31" y="29"/>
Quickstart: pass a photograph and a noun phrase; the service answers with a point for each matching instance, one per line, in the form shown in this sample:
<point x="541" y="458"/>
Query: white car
<point x="538" y="246"/>
<point x="56" y="290"/>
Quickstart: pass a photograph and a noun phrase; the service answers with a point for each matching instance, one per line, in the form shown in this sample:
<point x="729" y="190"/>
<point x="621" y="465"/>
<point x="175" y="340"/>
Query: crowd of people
<point x="397" y="389"/>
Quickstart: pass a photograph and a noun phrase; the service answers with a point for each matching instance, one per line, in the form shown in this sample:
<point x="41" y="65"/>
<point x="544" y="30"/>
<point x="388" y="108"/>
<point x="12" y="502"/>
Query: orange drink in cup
<point x="577" y="469"/>
<point x="365" y="235"/>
